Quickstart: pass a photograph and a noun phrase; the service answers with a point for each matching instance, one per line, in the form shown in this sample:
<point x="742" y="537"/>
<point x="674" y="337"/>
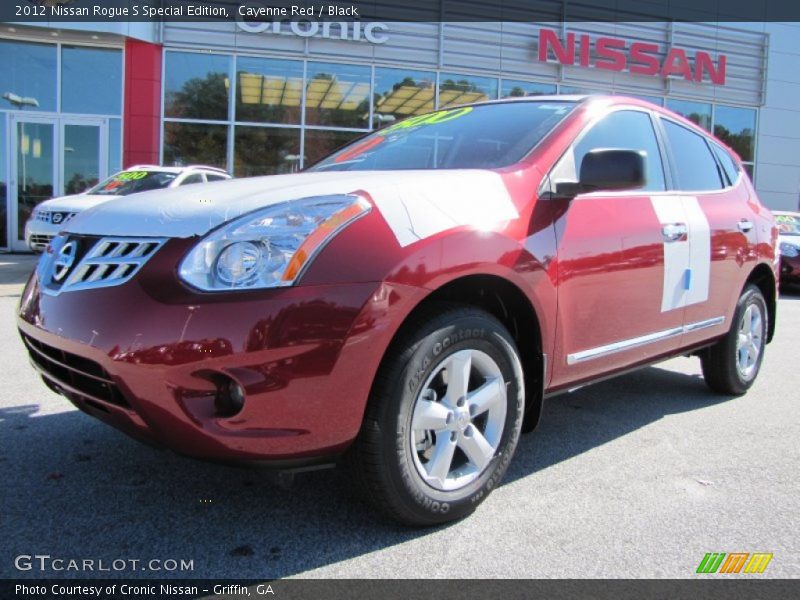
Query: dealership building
<point x="82" y="100"/>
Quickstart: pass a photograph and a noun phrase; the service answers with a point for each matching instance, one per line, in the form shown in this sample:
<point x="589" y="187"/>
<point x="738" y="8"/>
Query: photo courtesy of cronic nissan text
<point x="470" y="299"/>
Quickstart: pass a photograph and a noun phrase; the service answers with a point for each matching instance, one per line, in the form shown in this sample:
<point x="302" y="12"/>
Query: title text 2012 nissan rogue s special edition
<point x="408" y="302"/>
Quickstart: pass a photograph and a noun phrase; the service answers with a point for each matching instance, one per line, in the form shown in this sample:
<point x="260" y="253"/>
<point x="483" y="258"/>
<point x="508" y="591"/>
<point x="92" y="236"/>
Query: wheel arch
<point x="763" y="277"/>
<point x="508" y="304"/>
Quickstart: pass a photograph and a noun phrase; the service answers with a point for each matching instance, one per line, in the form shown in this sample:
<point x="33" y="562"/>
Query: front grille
<point x="40" y="239"/>
<point x="82" y="262"/>
<point x="83" y="375"/>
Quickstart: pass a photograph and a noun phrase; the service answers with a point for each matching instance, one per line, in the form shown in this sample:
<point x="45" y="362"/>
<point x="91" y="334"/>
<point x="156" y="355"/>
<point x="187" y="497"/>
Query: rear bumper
<point x="790" y="269"/>
<point x="149" y="366"/>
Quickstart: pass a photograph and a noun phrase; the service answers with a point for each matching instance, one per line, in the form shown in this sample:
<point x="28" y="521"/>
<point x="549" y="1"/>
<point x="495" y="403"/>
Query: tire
<point x="424" y="477"/>
<point x="732" y="364"/>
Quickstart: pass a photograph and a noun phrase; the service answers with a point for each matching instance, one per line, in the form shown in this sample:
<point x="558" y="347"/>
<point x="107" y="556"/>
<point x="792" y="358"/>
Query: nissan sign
<point x="616" y="54"/>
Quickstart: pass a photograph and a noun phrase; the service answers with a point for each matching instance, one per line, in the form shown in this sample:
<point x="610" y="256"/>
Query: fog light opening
<point x="230" y="398"/>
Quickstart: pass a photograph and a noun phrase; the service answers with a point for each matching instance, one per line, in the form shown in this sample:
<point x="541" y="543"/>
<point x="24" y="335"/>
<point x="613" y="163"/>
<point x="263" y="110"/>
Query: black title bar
<point x="711" y="588"/>
<point x="53" y="12"/>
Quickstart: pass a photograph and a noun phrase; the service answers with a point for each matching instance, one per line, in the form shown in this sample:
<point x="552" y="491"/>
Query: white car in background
<point x="49" y="217"/>
<point x="788" y="224"/>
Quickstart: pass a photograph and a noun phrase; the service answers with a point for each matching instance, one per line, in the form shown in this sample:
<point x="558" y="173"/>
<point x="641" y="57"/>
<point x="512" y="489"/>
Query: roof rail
<point x="207" y="167"/>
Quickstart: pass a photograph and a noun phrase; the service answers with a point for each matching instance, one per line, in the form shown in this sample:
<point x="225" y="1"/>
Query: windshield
<point x="472" y="137"/>
<point x="132" y="182"/>
<point x="788" y="224"/>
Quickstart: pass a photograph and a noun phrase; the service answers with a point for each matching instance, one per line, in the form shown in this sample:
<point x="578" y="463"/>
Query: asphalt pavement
<point x="634" y="477"/>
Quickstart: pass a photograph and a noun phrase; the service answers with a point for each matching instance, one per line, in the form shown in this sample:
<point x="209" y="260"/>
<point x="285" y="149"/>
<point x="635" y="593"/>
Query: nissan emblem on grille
<point x="64" y="260"/>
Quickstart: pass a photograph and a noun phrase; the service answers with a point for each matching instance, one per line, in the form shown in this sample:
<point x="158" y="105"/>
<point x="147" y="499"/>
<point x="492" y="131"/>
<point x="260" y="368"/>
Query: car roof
<point x="177" y="170"/>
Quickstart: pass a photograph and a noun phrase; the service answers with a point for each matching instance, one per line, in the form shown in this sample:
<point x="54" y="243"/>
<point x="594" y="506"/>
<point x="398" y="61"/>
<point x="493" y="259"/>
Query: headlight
<point x="270" y="247"/>
<point x="789" y="250"/>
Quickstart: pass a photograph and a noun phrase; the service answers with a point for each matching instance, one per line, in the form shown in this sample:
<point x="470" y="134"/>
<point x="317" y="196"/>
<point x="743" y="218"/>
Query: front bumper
<point x="38" y="234"/>
<point x="146" y="356"/>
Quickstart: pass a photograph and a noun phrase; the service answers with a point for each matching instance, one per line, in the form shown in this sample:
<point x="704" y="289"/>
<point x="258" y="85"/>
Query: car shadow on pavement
<point x="76" y="488"/>
<point x="576" y="422"/>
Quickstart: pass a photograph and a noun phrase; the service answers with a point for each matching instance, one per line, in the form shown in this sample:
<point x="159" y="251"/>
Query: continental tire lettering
<point x="434" y="506"/>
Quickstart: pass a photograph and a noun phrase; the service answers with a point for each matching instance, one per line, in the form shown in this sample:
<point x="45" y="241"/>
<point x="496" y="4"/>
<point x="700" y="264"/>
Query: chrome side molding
<point x="621" y="346"/>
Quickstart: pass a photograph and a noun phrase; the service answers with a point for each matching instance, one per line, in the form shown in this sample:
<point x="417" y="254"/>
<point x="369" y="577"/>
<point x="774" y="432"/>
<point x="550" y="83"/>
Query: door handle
<point x="745" y="225"/>
<point x="674" y="232"/>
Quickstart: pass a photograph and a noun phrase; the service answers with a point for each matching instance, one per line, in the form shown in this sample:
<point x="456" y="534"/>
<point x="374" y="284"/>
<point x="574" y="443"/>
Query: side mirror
<point x="610" y="169"/>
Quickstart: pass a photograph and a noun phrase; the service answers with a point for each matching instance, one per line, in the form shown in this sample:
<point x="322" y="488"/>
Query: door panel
<point x="720" y="252"/>
<point x="611" y="261"/>
<point x="732" y="255"/>
<point x="611" y="273"/>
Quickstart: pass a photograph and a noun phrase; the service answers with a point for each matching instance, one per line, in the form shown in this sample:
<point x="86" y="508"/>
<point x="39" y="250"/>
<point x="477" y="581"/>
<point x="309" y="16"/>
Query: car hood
<point x="75" y="203"/>
<point x="415" y="204"/>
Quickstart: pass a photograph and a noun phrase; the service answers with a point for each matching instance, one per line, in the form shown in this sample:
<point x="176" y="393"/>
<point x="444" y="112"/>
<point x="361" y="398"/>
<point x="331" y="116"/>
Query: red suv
<point x="407" y="303"/>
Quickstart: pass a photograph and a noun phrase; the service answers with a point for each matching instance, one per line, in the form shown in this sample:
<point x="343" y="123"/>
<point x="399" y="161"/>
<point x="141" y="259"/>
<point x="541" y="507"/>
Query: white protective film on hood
<point x="415" y="204"/>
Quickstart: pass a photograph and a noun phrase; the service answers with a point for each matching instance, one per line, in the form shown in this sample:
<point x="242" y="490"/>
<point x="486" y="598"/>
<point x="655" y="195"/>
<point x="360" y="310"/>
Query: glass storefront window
<point x="195" y="143"/>
<point x="571" y="89"/>
<point x="338" y="95"/>
<point x="197" y="86"/>
<point x="91" y="80"/>
<point x="697" y="112"/>
<point x="81" y="157"/>
<point x="516" y="89"/>
<point x="737" y="128"/>
<point x="28" y="71"/>
<point x="749" y="170"/>
<point x="464" y="89"/>
<point x="319" y="143"/>
<point x="266" y="151"/>
<point x="268" y="90"/>
<point x="657" y="100"/>
<point x="114" y="145"/>
<point x="35" y="175"/>
<point x="3" y="183"/>
<point x="400" y="93"/>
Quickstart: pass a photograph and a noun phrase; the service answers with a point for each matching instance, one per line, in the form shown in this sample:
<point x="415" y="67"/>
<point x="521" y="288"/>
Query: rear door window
<point x="696" y="169"/>
<point x="193" y="178"/>
<point x="728" y="165"/>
